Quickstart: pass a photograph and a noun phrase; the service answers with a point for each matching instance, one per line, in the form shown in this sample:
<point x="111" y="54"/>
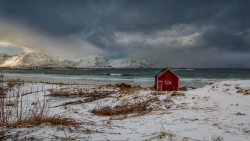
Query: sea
<point x="195" y="77"/>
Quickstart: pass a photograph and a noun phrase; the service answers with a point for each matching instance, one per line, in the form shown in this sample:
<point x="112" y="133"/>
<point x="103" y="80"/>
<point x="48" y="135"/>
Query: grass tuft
<point x="175" y="93"/>
<point x="38" y="120"/>
<point x="124" y="108"/>
<point x="240" y="114"/>
<point x="128" y="89"/>
<point x="10" y="104"/>
<point x="21" y="113"/>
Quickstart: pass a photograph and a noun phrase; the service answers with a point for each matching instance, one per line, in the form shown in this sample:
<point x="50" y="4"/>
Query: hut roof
<point x="163" y="71"/>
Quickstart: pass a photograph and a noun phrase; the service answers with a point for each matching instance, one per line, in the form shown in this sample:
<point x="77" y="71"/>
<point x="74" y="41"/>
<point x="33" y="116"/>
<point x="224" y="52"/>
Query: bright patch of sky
<point x="10" y="51"/>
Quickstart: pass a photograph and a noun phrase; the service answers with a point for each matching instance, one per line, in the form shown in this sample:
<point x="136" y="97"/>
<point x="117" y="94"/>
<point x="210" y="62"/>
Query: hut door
<point x="159" y="85"/>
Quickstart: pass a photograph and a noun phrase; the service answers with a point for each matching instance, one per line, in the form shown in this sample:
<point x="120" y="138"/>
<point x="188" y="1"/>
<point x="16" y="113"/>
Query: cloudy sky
<point x="173" y="33"/>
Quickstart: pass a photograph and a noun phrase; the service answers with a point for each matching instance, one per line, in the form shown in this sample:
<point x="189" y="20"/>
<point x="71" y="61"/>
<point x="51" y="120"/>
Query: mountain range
<point x="33" y="59"/>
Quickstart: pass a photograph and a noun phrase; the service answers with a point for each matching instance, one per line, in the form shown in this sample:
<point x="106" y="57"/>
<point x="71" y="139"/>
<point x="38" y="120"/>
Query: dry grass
<point x="227" y="85"/>
<point x="168" y="100"/>
<point x="76" y="91"/>
<point x="128" y="89"/>
<point x="175" y="93"/>
<point x="123" y="86"/>
<point x="19" y="113"/>
<point x="237" y="87"/>
<point x="240" y="114"/>
<point x="124" y="108"/>
<point x="11" y="84"/>
<point x="23" y="115"/>
<point x="36" y="120"/>
<point x="157" y="93"/>
<point x="241" y="90"/>
<point x="163" y="135"/>
<point x="217" y="138"/>
<point x="71" y="103"/>
<point x="14" y="80"/>
<point x="119" y="110"/>
<point x="10" y="104"/>
<point x="56" y="83"/>
<point x="152" y="88"/>
<point x="183" y="88"/>
<point x="90" y="98"/>
<point x="59" y="94"/>
<point x="247" y="92"/>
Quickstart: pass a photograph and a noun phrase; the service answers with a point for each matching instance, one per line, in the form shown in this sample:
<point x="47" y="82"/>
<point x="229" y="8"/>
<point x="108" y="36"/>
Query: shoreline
<point x="144" y="77"/>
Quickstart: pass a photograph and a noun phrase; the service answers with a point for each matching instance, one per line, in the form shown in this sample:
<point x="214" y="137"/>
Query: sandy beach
<point x="122" y="112"/>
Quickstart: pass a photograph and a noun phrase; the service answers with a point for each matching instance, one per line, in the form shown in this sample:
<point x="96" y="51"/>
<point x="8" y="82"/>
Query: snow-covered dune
<point x="216" y="112"/>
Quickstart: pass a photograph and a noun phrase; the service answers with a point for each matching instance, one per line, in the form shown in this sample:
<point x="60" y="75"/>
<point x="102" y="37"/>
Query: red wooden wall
<point x="168" y="76"/>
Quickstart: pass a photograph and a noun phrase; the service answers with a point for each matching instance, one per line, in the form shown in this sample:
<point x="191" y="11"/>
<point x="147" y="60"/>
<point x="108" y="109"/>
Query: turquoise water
<point x="142" y="77"/>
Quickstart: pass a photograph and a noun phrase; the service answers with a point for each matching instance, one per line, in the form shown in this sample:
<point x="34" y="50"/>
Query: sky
<point x="171" y="33"/>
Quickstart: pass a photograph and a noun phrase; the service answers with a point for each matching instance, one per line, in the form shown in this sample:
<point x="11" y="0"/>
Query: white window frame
<point x="167" y="82"/>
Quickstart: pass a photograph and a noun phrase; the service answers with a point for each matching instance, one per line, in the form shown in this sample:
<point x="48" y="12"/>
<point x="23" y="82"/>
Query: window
<point x="167" y="82"/>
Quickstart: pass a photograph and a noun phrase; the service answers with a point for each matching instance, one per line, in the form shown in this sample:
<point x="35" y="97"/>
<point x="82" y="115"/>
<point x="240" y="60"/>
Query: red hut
<point x="166" y="80"/>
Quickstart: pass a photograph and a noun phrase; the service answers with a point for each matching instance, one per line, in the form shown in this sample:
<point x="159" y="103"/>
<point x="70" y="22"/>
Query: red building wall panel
<point x="167" y="81"/>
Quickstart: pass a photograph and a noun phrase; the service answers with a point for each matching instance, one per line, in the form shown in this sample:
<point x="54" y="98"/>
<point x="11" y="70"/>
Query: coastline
<point x="144" y="77"/>
<point x="216" y="111"/>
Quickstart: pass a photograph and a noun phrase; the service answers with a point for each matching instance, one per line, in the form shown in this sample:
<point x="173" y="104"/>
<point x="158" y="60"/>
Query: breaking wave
<point x="120" y="79"/>
<point x="116" y="74"/>
<point x="183" y="69"/>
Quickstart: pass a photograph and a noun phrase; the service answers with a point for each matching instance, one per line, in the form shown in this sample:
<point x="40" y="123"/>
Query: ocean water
<point x="143" y="77"/>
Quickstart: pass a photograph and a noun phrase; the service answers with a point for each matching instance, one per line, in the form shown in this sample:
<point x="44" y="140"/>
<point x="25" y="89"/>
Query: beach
<point x="217" y="111"/>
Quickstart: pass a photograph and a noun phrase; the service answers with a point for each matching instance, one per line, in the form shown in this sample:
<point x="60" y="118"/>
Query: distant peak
<point x="36" y="59"/>
<point x="3" y="54"/>
<point x="94" y="56"/>
<point x="21" y="53"/>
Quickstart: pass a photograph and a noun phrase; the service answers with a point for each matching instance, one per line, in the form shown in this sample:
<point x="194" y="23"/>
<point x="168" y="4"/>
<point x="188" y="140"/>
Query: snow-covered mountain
<point x="92" y="61"/>
<point x="3" y="57"/>
<point x="41" y="60"/>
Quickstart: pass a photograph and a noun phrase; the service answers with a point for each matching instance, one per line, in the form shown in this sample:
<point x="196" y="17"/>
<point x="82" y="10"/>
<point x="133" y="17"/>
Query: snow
<point x="3" y="56"/>
<point x="33" y="59"/>
<point x="12" y="61"/>
<point x="219" y="111"/>
<point x="122" y="63"/>
<point x="92" y="61"/>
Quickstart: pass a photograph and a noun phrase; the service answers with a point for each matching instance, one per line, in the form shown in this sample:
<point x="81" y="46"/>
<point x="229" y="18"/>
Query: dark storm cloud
<point x="225" y="40"/>
<point x="63" y="17"/>
<point x="101" y="37"/>
<point x="132" y="28"/>
<point x="55" y="17"/>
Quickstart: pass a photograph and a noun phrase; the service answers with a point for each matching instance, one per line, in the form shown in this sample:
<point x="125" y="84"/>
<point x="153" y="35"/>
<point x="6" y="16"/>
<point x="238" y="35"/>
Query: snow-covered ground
<point x="219" y="111"/>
